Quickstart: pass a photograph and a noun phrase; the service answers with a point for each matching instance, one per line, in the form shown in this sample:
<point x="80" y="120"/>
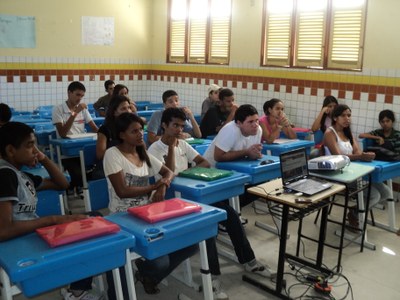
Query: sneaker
<point x="222" y="229"/>
<point x="243" y="220"/>
<point x="254" y="267"/>
<point x="68" y="295"/>
<point x="218" y="292"/>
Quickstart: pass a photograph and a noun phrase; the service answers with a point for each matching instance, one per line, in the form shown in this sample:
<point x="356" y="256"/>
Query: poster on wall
<point x="17" y="31"/>
<point x="98" y="31"/>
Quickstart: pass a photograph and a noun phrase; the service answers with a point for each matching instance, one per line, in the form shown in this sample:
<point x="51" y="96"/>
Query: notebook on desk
<point x="295" y="175"/>
<point x="164" y="210"/>
<point x="66" y="233"/>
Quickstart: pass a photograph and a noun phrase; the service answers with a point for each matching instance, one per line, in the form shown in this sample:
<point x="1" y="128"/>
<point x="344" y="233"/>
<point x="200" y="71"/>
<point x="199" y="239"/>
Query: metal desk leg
<point x="117" y="284"/>
<point x="205" y="272"/>
<point x="130" y="282"/>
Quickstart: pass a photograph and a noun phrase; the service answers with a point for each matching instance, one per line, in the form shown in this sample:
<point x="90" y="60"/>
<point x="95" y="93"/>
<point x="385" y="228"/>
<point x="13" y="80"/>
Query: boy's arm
<point x="57" y="180"/>
<point x="93" y="126"/>
<point x="10" y="228"/>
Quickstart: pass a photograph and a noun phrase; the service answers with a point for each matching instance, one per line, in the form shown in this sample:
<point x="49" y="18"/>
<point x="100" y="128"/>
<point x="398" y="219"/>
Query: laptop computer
<point x="295" y="175"/>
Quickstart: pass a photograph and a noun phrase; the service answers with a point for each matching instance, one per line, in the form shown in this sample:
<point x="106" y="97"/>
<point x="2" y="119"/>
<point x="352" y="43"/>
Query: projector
<point x="329" y="162"/>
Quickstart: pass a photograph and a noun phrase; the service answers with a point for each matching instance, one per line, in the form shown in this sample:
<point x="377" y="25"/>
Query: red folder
<point x="61" y="234"/>
<point x="163" y="210"/>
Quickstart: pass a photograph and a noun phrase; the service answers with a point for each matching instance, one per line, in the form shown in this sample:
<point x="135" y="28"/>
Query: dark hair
<point x="76" y="85"/>
<point x="118" y="88"/>
<point x="328" y="100"/>
<point x="109" y="121"/>
<point x="122" y="122"/>
<point x="167" y="94"/>
<point x="270" y="104"/>
<point x="336" y="113"/>
<point x="224" y="93"/>
<point x="5" y="113"/>
<point x="108" y="83"/>
<point x="387" y="113"/>
<point x="14" y="134"/>
<point x="172" y="112"/>
<point x="244" y="111"/>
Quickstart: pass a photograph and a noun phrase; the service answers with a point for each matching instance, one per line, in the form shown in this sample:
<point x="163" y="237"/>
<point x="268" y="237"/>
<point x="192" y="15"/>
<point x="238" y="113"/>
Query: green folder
<point x="206" y="174"/>
<point x="194" y="141"/>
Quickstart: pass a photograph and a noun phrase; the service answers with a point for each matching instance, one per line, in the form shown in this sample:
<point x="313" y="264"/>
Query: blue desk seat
<point x="146" y="114"/>
<point x="50" y="203"/>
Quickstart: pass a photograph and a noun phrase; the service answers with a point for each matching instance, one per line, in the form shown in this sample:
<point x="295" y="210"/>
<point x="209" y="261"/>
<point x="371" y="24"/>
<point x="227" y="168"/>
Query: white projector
<point x="329" y="162"/>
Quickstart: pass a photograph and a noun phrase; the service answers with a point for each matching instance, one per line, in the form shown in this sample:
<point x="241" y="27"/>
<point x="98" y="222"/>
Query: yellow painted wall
<point x="58" y="27"/>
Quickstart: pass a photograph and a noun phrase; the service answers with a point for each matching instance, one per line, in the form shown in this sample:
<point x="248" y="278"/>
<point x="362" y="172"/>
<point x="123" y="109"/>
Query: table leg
<point x="205" y="272"/>
<point x="130" y="281"/>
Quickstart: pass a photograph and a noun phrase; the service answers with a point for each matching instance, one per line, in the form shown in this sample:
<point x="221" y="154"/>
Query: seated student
<point x="122" y="90"/>
<point x="386" y="136"/>
<point x="176" y="154"/>
<point x="240" y="139"/>
<point x="211" y="100"/>
<point x="70" y="117"/>
<point x="5" y="114"/>
<point x="18" y="196"/>
<point x="170" y="99"/>
<point x="101" y="105"/>
<point x="128" y="167"/>
<point x="220" y="114"/>
<point x="324" y="118"/>
<point x="274" y="121"/>
<point x="338" y="139"/>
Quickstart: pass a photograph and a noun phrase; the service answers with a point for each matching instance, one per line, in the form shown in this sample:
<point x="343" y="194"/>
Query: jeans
<point x="236" y="233"/>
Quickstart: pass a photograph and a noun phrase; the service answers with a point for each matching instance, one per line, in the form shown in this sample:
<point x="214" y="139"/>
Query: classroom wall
<point x="33" y="77"/>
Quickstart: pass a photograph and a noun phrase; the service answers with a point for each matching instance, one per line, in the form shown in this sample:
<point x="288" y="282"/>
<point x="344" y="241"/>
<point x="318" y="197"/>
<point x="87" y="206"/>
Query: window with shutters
<point x="321" y="34"/>
<point x="199" y="31"/>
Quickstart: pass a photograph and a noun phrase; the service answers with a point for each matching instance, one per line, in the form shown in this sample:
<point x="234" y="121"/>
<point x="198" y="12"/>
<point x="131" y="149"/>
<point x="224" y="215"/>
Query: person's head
<point x="330" y="102"/>
<point x="173" y="121"/>
<point x="226" y="99"/>
<point x="246" y="118"/>
<point x="121" y="90"/>
<point x="213" y="92"/>
<point x="118" y="105"/>
<point x="341" y="117"/>
<point x="109" y="86"/>
<point x="5" y="114"/>
<point x="76" y="91"/>
<point x="129" y="131"/>
<point x="386" y="119"/>
<point x="274" y="108"/>
<point x="170" y="98"/>
<point x="17" y="144"/>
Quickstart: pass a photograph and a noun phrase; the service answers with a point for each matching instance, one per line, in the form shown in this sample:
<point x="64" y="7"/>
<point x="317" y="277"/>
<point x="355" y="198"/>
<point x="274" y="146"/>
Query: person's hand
<point x="187" y="111"/>
<point x="254" y="151"/>
<point x="326" y="110"/>
<point x="80" y="107"/>
<point x="367" y="156"/>
<point x="284" y="121"/>
<point x="171" y="141"/>
<point x="158" y="195"/>
<point x="39" y="156"/>
<point x="380" y="141"/>
<point x="163" y="181"/>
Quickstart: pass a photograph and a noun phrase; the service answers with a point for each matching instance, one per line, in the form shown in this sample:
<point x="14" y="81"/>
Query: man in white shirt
<point x="70" y="117"/>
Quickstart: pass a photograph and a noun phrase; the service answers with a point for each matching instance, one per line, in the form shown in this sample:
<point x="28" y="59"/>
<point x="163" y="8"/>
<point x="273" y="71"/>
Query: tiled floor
<point x="366" y="275"/>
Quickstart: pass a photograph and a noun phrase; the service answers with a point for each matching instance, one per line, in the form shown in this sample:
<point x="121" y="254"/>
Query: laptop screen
<point x="293" y="165"/>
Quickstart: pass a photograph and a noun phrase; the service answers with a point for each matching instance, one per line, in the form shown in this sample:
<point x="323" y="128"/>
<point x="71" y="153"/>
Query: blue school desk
<point x="145" y="114"/>
<point x="142" y="105"/>
<point x="208" y="192"/>
<point x="276" y="149"/>
<point x="258" y="171"/>
<point x="161" y="238"/>
<point x="35" y="268"/>
<point x="194" y="142"/>
<point x="69" y="147"/>
<point x="386" y="171"/>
